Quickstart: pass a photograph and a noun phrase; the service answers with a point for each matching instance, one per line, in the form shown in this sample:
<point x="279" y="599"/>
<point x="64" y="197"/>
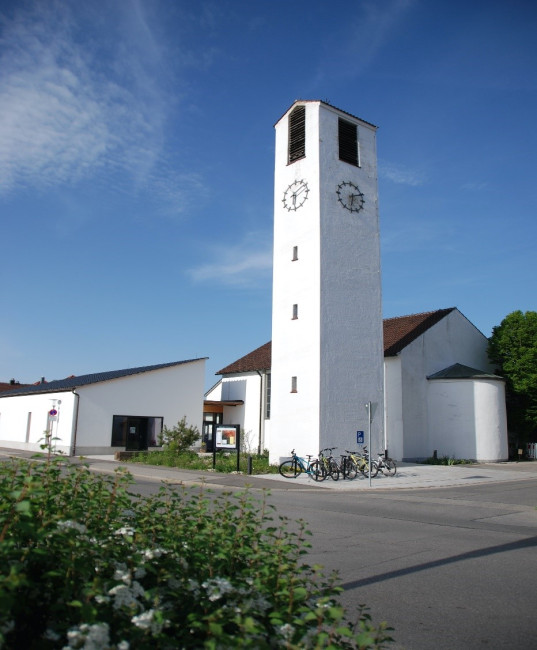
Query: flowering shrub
<point x="86" y="564"/>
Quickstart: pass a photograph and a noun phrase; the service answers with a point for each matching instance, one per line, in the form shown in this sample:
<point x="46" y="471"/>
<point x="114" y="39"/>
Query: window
<point x="295" y="254"/>
<point x="348" y="142"/>
<point x="134" y="432"/>
<point x="295" y="312"/>
<point x="28" y="426"/>
<point x="297" y="134"/>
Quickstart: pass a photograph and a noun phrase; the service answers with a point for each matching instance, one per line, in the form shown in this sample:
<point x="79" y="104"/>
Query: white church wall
<point x="246" y="387"/>
<point x="452" y="419"/>
<point x="452" y="340"/>
<point x="25" y="418"/>
<point x="295" y="414"/>
<point x="393" y="413"/>
<point x="351" y="311"/>
<point x="467" y="419"/>
<point x="491" y="421"/>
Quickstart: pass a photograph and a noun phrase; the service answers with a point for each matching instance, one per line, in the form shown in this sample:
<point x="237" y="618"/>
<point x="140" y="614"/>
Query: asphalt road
<point x="451" y="568"/>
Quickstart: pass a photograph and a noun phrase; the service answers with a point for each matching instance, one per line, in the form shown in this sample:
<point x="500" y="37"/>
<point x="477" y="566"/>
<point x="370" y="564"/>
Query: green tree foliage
<point x="86" y="564"/>
<point x="180" y="437"/>
<point x="513" y="347"/>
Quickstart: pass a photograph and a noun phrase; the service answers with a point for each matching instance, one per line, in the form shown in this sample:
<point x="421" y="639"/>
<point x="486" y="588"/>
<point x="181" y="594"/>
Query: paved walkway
<point x="409" y="475"/>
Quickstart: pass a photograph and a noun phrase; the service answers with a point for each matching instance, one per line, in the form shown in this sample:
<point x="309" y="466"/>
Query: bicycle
<point x="296" y="466"/>
<point x="386" y="465"/>
<point x="329" y="463"/>
<point x="361" y="461"/>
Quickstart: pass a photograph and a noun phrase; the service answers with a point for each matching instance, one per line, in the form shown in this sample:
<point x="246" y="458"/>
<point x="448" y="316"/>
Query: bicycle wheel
<point x="317" y="471"/>
<point x="390" y="468"/>
<point x="351" y="469"/>
<point x="290" y="469"/>
<point x="374" y="469"/>
<point x="334" y="470"/>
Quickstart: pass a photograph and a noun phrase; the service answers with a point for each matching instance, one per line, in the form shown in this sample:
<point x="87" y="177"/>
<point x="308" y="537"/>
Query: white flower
<point x="126" y="531"/>
<point x="93" y="637"/>
<point x="122" y="574"/>
<point x="287" y="631"/>
<point x="152" y="553"/>
<point x="73" y="525"/>
<point x="216" y="588"/>
<point x="146" y="621"/>
<point x="124" y="596"/>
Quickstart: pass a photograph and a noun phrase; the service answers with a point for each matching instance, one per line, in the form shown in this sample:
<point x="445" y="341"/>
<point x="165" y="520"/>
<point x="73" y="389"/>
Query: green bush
<point x="225" y="462"/>
<point x="86" y="564"/>
<point x="180" y="437"/>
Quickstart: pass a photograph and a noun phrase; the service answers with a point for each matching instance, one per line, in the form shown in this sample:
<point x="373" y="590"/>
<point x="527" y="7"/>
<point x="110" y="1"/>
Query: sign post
<point x="227" y="438"/>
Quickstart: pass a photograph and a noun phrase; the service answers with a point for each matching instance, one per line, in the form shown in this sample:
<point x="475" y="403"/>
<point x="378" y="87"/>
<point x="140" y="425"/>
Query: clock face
<point x="295" y="195"/>
<point x="350" y="197"/>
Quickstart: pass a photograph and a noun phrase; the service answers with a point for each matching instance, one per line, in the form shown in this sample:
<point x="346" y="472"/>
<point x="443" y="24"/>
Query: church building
<point x="416" y="385"/>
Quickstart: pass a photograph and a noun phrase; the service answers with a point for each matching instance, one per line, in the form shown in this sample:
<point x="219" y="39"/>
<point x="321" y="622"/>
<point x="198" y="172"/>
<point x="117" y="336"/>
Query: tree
<point x="180" y="437"/>
<point x="513" y="347"/>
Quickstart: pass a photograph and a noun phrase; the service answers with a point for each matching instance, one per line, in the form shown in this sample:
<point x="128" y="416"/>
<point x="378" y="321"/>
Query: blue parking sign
<point x="360" y="437"/>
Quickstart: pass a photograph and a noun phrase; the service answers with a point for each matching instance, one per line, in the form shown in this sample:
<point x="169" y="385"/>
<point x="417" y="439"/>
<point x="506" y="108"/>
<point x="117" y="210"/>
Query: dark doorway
<point x="135" y="433"/>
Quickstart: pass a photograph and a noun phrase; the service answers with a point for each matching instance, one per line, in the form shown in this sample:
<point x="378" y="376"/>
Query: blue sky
<point x="137" y="155"/>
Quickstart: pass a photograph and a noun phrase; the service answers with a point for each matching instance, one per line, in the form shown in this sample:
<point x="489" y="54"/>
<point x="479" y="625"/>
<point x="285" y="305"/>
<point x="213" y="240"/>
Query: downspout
<point x="75" y="427"/>
<point x="261" y="408"/>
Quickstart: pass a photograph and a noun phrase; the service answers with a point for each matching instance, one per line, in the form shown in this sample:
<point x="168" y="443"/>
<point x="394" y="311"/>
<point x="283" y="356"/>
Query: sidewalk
<point x="409" y="475"/>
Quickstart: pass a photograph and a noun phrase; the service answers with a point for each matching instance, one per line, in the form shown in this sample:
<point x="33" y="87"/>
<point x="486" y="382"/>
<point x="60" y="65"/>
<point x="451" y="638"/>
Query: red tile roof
<point x="398" y="333"/>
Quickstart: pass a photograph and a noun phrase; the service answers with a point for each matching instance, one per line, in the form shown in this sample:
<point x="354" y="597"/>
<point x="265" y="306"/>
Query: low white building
<point x="104" y="412"/>
<point x="440" y="393"/>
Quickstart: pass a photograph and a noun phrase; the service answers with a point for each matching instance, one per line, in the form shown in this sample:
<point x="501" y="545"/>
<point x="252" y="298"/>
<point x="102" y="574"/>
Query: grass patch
<point x="225" y="462"/>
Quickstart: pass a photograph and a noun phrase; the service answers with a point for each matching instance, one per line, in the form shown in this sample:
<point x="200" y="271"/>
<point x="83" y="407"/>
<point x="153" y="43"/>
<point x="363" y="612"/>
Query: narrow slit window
<point x="297" y="134"/>
<point x="28" y="426"/>
<point x="348" y="142"/>
<point x="295" y="254"/>
<point x="294" y="385"/>
<point x="295" y="312"/>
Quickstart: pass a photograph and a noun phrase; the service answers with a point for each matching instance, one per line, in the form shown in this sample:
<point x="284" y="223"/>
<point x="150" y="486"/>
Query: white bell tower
<point x="327" y="347"/>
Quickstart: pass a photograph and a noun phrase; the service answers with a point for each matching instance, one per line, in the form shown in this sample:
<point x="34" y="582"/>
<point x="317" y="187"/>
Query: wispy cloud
<point x="401" y="175"/>
<point x="243" y="264"/>
<point x="71" y="109"/>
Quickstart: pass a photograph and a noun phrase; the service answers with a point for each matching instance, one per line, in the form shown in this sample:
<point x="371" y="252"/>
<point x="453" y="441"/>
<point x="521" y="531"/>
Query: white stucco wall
<point x="393" y="408"/>
<point x="467" y="419"/>
<point x="296" y="343"/>
<point x="452" y="340"/>
<point x="170" y="393"/>
<point x="249" y="387"/>
<point x="334" y="347"/>
<point x="24" y="420"/>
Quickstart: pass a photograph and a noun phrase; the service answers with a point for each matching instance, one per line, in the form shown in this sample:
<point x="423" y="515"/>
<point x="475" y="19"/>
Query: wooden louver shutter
<point x="297" y="133"/>
<point x="348" y="142"/>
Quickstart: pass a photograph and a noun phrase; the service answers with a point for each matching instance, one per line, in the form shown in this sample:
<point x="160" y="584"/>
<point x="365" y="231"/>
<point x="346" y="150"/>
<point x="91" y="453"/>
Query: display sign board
<point x="360" y="438"/>
<point x="227" y="436"/>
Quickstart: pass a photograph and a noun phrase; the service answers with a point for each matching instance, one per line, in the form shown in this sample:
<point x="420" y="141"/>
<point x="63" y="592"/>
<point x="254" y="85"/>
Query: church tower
<point x="327" y="347"/>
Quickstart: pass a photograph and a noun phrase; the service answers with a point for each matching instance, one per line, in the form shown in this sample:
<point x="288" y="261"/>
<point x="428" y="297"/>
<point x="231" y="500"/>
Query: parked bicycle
<point x="296" y="466"/>
<point x="329" y="464"/>
<point x="360" y="460"/>
<point x="385" y="465"/>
